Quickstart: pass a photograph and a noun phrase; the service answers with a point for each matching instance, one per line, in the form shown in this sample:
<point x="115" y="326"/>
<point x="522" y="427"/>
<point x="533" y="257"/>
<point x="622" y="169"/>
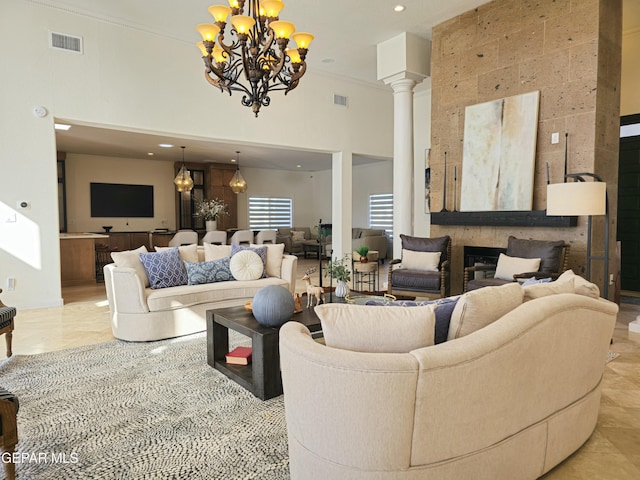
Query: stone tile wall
<point x="570" y="50"/>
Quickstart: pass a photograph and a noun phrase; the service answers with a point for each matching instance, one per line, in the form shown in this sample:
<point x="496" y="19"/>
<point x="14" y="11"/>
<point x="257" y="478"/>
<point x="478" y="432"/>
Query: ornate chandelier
<point x="183" y="180"/>
<point x="252" y="55"/>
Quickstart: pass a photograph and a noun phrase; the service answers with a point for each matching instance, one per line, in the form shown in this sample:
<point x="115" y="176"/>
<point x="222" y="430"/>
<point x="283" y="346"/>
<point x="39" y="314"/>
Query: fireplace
<point x="481" y="256"/>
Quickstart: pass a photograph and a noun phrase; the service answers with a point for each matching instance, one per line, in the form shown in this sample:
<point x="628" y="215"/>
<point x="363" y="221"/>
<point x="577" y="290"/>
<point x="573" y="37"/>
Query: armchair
<point x="7" y="315"/>
<point x="8" y="430"/>
<point x="553" y="255"/>
<point x="295" y="238"/>
<point x="424" y="269"/>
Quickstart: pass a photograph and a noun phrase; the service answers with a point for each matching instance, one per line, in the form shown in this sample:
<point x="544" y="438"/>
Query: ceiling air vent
<point x="66" y="42"/>
<point x="340" y="100"/>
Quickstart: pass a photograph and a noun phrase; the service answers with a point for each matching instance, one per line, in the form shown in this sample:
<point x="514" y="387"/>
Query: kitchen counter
<point x="78" y="257"/>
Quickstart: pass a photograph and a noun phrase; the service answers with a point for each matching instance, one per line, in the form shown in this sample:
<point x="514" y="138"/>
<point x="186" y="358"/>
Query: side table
<point x="365" y="274"/>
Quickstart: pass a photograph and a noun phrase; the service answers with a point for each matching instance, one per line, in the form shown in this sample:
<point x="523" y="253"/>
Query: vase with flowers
<point x="338" y="268"/>
<point x="210" y="210"/>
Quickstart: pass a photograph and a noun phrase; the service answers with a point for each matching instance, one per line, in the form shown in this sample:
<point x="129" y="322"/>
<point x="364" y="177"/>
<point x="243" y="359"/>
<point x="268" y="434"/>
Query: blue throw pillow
<point x="444" y="309"/>
<point x="261" y="251"/>
<point x="209" y="272"/>
<point x="534" y="280"/>
<point x="165" y="268"/>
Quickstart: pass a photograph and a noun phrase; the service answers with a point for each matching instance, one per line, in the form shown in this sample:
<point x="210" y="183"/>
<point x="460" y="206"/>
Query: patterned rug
<point x="156" y="410"/>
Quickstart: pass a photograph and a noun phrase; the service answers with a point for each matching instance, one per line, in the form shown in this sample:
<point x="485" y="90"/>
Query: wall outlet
<point x="611" y="279"/>
<point x="555" y="138"/>
<point x="11" y="284"/>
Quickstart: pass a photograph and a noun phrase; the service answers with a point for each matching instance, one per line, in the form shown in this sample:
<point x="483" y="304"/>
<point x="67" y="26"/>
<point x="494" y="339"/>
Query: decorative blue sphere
<point x="272" y="306"/>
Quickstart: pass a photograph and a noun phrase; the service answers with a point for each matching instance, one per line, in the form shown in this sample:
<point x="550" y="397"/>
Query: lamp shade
<point x="577" y="198"/>
<point x="243" y="23"/>
<point x="282" y="29"/>
<point x="219" y="12"/>
<point x="303" y="39"/>
<point x="208" y="31"/>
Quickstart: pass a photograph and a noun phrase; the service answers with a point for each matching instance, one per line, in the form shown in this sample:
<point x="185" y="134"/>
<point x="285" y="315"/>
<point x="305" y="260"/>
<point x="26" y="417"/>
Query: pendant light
<point x="237" y="183"/>
<point x="183" y="181"/>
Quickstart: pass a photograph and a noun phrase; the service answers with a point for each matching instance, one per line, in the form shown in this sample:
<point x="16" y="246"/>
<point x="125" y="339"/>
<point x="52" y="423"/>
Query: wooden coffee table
<point x="262" y="376"/>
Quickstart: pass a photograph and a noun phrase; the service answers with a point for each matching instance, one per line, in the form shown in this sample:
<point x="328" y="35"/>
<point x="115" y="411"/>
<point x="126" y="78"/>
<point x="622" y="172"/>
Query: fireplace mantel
<point x="533" y="218"/>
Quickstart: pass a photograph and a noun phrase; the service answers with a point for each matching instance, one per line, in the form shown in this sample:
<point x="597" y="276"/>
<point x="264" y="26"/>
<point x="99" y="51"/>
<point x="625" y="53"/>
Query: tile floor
<point x="612" y="452"/>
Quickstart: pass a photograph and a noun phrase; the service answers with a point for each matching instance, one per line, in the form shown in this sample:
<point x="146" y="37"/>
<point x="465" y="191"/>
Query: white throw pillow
<point x="481" y="307"/>
<point x="246" y="265"/>
<point x="380" y="329"/>
<point x="581" y="285"/>
<point x="423" y="261"/>
<point x="507" y="266"/>
<point x="131" y="259"/>
<point x="274" y="258"/>
<point x="216" y="252"/>
<point x="188" y="253"/>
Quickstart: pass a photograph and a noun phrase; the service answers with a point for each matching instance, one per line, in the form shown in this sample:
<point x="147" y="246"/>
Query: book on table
<point x="239" y="356"/>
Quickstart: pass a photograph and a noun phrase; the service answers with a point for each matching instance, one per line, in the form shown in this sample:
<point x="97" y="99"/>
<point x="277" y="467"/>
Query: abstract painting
<point x="499" y="150"/>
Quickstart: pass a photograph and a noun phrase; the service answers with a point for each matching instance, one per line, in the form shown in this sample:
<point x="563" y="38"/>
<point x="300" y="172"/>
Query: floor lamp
<point x="578" y="198"/>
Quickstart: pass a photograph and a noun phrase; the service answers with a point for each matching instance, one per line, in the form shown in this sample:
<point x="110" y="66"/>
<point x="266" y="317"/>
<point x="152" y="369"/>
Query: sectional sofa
<point x="513" y="391"/>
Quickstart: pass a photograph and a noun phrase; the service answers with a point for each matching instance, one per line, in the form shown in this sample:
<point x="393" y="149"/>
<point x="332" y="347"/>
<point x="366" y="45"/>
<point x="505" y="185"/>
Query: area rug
<point x="155" y="410"/>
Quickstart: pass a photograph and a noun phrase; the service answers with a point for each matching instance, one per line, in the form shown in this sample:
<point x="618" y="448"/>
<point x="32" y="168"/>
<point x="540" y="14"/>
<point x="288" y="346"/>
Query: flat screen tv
<point x="120" y="200"/>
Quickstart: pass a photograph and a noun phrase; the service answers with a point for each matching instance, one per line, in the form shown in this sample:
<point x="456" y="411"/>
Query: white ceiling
<point x="358" y="24"/>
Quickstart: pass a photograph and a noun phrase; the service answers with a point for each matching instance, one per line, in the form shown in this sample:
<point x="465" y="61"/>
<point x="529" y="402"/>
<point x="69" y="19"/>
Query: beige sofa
<point x="139" y="313"/>
<point x="509" y="400"/>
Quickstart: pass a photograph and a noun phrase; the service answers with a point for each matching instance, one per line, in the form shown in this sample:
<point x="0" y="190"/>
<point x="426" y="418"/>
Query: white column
<point x="402" y="161"/>
<point x="341" y="208"/>
<point x="403" y="61"/>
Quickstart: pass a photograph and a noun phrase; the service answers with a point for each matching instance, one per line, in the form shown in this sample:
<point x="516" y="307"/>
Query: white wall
<point x="131" y="79"/>
<point x="81" y="170"/>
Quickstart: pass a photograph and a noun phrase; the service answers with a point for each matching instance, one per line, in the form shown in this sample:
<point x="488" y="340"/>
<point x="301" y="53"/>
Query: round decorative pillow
<point x="272" y="306"/>
<point x="246" y="265"/>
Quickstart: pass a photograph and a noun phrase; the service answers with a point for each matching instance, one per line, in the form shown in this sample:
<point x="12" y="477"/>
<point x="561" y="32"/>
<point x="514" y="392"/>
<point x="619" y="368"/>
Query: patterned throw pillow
<point x="209" y="272"/>
<point x="261" y="251"/>
<point x="164" y="269"/>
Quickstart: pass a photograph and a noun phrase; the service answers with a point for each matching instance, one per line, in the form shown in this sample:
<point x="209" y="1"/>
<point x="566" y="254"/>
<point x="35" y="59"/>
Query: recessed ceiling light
<point x="165" y="145"/>
<point x="150" y="154"/>
<point x="299" y="166"/>
<point x="233" y="160"/>
<point x="399" y="8"/>
<point x="61" y="126"/>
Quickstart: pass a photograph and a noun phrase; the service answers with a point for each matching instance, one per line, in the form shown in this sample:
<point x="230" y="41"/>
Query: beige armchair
<point x="294" y="242"/>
